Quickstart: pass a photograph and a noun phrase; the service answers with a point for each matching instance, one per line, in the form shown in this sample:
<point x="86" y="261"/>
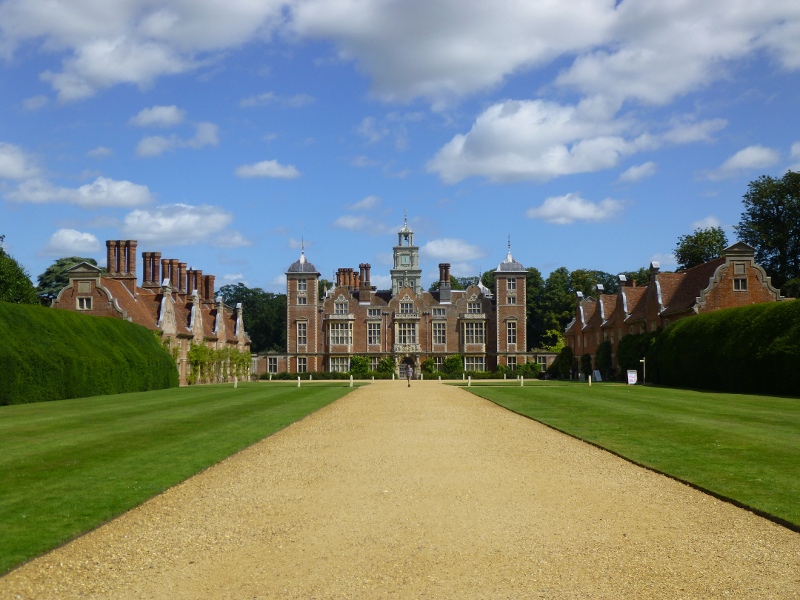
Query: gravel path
<point x="426" y="492"/>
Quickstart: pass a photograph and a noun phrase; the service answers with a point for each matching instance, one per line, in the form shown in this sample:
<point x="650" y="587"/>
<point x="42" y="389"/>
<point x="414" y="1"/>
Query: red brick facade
<point x="405" y="323"/>
<point x="734" y="279"/>
<point x="178" y="302"/>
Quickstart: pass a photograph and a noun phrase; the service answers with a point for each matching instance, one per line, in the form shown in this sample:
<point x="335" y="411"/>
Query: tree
<point x="700" y="247"/>
<point x="455" y="284"/>
<point x="55" y="278"/>
<point x="15" y="284"/>
<point x="770" y="223"/>
<point x="640" y="277"/>
<point x="586" y="280"/>
<point x="264" y="315"/>
<point x="323" y="285"/>
<point x="534" y="290"/>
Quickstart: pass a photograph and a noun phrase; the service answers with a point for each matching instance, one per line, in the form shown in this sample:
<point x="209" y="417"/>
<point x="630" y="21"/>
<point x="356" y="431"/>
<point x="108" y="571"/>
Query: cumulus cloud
<point x="705" y="223"/>
<point x="268" y="98"/>
<point x="231" y="239"/>
<point x="367" y="203"/>
<point x="752" y="157"/>
<point x="451" y="248"/>
<point x="563" y="210"/>
<point x="70" y="242"/>
<point x="638" y="172"/>
<point x="179" y="224"/>
<point x="205" y="135"/>
<point x="234" y="278"/>
<point x="159" y="116"/>
<point x="102" y="192"/>
<point x="795" y="154"/>
<point x="35" y="103"/>
<point x="15" y="163"/>
<point x="268" y="168"/>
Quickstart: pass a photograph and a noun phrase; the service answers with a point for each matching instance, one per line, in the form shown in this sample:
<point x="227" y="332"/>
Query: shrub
<point x="586" y="364"/>
<point x="51" y="354"/>
<point x="602" y="360"/>
<point x="359" y="366"/>
<point x="453" y="365"/>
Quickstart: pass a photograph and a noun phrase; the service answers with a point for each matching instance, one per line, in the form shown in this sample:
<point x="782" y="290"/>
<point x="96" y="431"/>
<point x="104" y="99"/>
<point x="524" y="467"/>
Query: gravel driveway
<point x="427" y="492"/>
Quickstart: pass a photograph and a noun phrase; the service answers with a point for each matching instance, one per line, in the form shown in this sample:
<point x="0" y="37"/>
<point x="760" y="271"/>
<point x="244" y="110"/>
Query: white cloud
<point x="367" y="203"/>
<point x="666" y="261"/>
<point x="70" y="242"/>
<point x="452" y="249"/>
<point x="639" y="172"/>
<point x="563" y="210"/>
<point x="795" y="154"/>
<point x="752" y="157"/>
<point x="102" y="192"/>
<point x="232" y="239"/>
<point x="159" y="116"/>
<point x="234" y="278"/>
<point x="268" y="168"/>
<point x="15" y="163"/>
<point x="267" y="98"/>
<point x="371" y="130"/>
<point x="705" y="223"/>
<point x="100" y="152"/>
<point x="364" y="162"/>
<point x="205" y="135"/>
<point x="35" y="103"/>
<point x="179" y="224"/>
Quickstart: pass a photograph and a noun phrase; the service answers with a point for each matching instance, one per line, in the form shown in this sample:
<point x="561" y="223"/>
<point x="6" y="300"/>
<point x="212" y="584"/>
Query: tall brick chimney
<point x="444" y="282"/>
<point x="151" y="269"/>
<point x="121" y="262"/>
<point x="208" y="288"/>
<point x="180" y="268"/>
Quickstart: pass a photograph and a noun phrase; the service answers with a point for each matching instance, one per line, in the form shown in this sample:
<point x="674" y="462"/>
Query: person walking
<point x="409" y="374"/>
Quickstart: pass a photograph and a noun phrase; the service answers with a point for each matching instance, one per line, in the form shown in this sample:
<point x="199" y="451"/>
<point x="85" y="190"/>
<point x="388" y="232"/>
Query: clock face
<point x="405" y="260"/>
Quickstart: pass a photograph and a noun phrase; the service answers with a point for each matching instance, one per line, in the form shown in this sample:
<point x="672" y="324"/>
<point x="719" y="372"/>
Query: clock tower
<point x="406" y="271"/>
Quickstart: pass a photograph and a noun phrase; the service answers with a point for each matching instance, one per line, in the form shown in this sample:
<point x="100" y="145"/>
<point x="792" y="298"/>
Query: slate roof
<point x="302" y="265"/>
<point x="688" y="288"/>
<point x="509" y="265"/>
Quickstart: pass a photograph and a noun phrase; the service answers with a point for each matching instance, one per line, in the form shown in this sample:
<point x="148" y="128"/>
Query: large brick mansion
<point x="406" y="322"/>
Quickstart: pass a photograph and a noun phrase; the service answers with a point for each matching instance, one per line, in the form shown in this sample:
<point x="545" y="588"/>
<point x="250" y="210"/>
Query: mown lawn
<point x="68" y="466"/>
<point x="741" y="447"/>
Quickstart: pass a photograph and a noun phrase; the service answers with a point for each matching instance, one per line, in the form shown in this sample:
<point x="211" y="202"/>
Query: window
<point x="438" y="362"/>
<point x="512" y="362"/>
<point x="511" y="285"/>
<point x="272" y="364"/>
<point x="340" y="308"/>
<point x="474" y="308"/>
<point x="542" y="360"/>
<point x="438" y="313"/>
<point x="302" y="285"/>
<point x="406" y="308"/>
<point x="406" y="333"/>
<point x="373" y="334"/>
<point x="473" y="333"/>
<point x="302" y="334"/>
<point x="440" y="333"/>
<point x="511" y="332"/>
<point x="302" y="365"/>
<point x="374" y="363"/>
<point x="302" y="300"/>
<point x="373" y="313"/>
<point x="340" y="364"/>
<point x="84" y="304"/>
<point x="474" y="363"/>
<point x="340" y="333"/>
<point x="511" y="299"/>
<point x="740" y="284"/>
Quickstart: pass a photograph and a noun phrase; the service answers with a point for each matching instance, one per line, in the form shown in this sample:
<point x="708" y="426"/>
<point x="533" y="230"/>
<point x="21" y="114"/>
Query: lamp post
<point x="644" y="370"/>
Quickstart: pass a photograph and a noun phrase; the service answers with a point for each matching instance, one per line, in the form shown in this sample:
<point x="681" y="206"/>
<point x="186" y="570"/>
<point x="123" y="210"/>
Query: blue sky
<point x="593" y="133"/>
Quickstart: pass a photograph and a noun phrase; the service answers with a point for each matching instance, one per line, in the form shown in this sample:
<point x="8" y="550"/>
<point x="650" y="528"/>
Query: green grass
<point x="740" y="447"/>
<point x="68" y="466"/>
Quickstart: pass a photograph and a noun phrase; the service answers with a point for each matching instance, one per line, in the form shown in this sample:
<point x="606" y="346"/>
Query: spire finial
<point x="302" y="249"/>
<point x="405" y="217"/>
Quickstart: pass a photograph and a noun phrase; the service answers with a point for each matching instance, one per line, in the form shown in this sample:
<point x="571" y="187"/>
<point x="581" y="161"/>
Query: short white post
<point x="235" y="382"/>
<point x="521" y="381"/>
<point x="469" y="381"/>
<point x="270" y="376"/>
<point x="351" y="381"/>
<point x="590" y="381"/>
<point x="463" y="376"/>
<point x="504" y="375"/>
<point x="309" y="376"/>
<point x="440" y="379"/>
<point x="298" y="381"/>
<point x="422" y="376"/>
<point x="392" y="376"/>
<point x="373" y="379"/>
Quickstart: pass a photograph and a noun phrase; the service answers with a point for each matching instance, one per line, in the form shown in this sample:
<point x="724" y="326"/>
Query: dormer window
<point x="340" y="308"/>
<point x="474" y="308"/>
<point x="406" y="308"/>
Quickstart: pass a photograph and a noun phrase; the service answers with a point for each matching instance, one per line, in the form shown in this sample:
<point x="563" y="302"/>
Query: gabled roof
<point x="636" y="299"/>
<point x="693" y="282"/>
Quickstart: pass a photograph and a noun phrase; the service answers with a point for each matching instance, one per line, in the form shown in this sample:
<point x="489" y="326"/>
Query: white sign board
<point x="633" y="377"/>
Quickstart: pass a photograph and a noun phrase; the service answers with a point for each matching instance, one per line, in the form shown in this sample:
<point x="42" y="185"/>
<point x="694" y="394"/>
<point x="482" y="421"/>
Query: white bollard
<point x="440" y="379"/>
<point x="521" y="381"/>
<point x="309" y="376"/>
<point x="373" y="379"/>
<point x="298" y="381"/>
<point x="392" y="376"/>
<point x="469" y="381"/>
<point x="504" y="375"/>
<point x="462" y="376"/>
<point x="351" y="381"/>
<point x="422" y="376"/>
<point x="235" y="383"/>
<point x="270" y="376"/>
<point x="590" y="381"/>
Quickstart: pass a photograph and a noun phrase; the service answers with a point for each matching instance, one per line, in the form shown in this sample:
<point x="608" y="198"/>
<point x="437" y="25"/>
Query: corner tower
<point x="302" y="326"/>
<point x="510" y="294"/>
<point x="406" y="271"/>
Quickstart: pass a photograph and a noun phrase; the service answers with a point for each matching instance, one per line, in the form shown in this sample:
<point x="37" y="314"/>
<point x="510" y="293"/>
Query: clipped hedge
<point x="49" y="354"/>
<point x="752" y="349"/>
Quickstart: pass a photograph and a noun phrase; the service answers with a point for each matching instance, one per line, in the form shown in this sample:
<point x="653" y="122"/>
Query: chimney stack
<point x="152" y="263"/>
<point x="208" y="288"/>
<point x="444" y="282"/>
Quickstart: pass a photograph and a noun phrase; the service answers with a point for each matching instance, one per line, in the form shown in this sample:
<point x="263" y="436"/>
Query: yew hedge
<point x="51" y="354"/>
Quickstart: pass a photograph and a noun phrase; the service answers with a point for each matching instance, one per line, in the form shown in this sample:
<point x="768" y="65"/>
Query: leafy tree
<point x="322" y="286"/>
<point x="586" y="280"/>
<point x="55" y="278"/>
<point x="640" y="277"/>
<point x="455" y="283"/>
<point x="561" y="367"/>
<point x="770" y="223"/>
<point x="488" y="279"/>
<point x="700" y="247"/>
<point x="602" y="360"/>
<point x="428" y="366"/>
<point x="264" y="315"/>
<point x="359" y="366"/>
<point x="586" y="364"/>
<point x="15" y="284"/>
<point x="558" y="300"/>
<point x="453" y="365"/>
<point x="386" y="365"/>
<point x="534" y="291"/>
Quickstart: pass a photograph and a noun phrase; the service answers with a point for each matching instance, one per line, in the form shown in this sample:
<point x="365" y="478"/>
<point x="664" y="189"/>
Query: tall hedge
<point x="753" y="349"/>
<point x="48" y="354"/>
